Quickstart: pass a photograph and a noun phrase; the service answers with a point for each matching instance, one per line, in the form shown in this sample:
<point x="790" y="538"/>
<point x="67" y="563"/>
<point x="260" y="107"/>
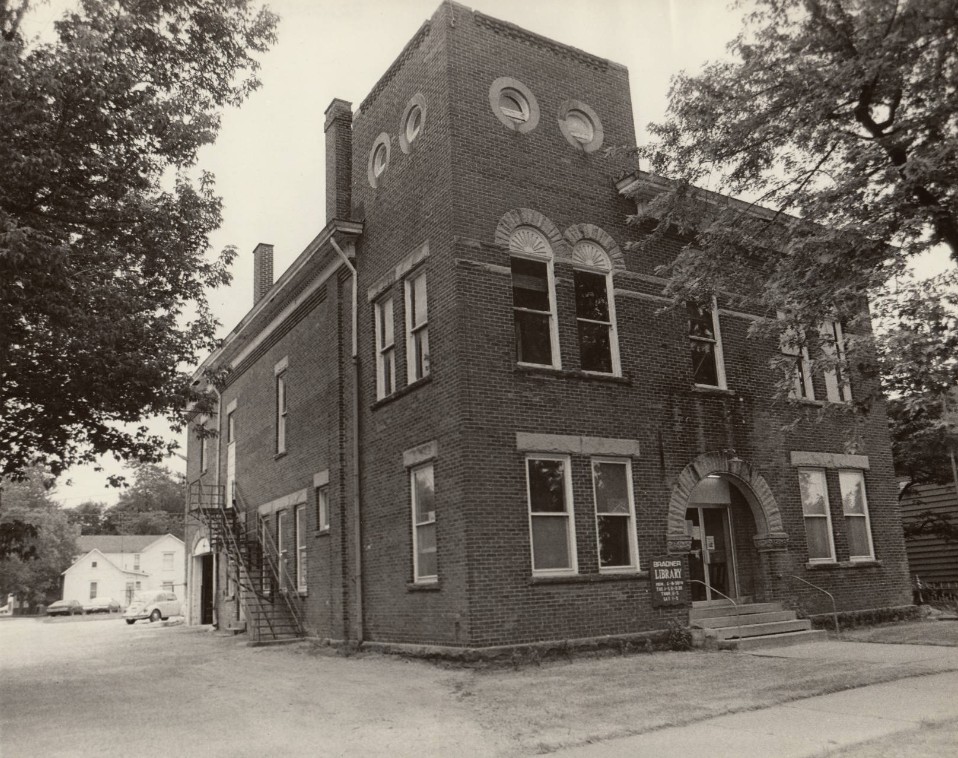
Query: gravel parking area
<point x="89" y="688"/>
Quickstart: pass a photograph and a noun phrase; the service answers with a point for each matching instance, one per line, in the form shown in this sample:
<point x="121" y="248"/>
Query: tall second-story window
<point x="281" y="412"/>
<point x="417" y="329"/>
<point x="705" y="342"/>
<point x="796" y="353"/>
<point x="385" y="349"/>
<point x="533" y="299"/>
<point x="594" y="309"/>
<point x="837" y="387"/>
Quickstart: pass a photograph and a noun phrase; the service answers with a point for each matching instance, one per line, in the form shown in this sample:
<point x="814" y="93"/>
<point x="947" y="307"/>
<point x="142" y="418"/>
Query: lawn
<point x="929" y="632"/>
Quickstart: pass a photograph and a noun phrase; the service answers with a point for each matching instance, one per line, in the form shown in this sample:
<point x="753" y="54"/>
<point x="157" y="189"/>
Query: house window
<point x="281" y="412"/>
<point x="92" y="590"/>
<point x="417" y="329"/>
<point x="594" y="309"/>
<point x="818" y="519"/>
<point x="93" y="564"/>
<point x="614" y="514"/>
<point x="265" y="557"/>
<point x="138" y="587"/>
<point x="550" y="515"/>
<point x="855" y="507"/>
<point x="533" y="299"/>
<point x="796" y="354"/>
<point x="705" y="338"/>
<point x="167" y="561"/>
<point x="136" y="561"/>
<point x="837" y="388"/>
<point x="301" y="548"/>
<point x="385" y="349"/>
<point x="168" y="586"/>
<point x="322" y="508"/>
<point x="281" y="536"/>
<point x="204" y="454"/>
<point x="425" y="567"/>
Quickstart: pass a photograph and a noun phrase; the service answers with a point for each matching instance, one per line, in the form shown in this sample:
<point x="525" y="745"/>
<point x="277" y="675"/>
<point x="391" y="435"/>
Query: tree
<point x="36" y="579"/>
<point x="88" y="516"/>
<point x="104" y="253"/>
<point x="839" y="117"/>
<point x="153" y="504"/>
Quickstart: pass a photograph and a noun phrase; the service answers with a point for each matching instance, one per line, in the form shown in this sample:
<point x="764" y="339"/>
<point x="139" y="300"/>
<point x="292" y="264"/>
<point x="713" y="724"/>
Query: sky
<point x="268" y="160"/>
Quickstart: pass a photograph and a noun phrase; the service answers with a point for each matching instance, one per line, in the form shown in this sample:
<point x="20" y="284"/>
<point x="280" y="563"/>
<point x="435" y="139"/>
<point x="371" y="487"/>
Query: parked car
<point x="64" y="608"/>
<point x="153" y="605"/>
<point x="101" y="605"/>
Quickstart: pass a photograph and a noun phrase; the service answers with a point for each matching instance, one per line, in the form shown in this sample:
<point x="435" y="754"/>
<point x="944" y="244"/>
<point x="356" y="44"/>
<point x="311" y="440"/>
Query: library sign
<point x="669" y="586"/>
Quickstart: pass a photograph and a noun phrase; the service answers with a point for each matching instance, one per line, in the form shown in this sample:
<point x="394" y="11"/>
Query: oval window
<point x="580" y="126"/>
<point x="513" y="106"/>
<point x="413" y="123"/>
<point x="379" y="160"/>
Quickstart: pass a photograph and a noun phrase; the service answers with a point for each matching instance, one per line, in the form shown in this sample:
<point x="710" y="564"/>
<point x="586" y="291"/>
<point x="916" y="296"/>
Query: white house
<point x="117" y="565"/>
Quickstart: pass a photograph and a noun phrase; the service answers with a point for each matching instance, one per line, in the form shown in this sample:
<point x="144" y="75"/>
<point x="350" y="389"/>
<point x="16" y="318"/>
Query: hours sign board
<point x="669" y="586"/>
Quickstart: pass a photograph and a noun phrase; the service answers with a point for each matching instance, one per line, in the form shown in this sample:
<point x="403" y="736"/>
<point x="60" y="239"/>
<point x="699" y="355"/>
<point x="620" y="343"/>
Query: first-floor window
<point x="322" y="508"/>
<point x="168" y="586"/>
<point x="855" y="507"/>
<point x="550" y="515"/>
<point x="281" y="547"/>
<point x="301" y="548"/>
<point x="425" y="567"/>
<point x="92" y="590"/>
<point x="818" y="520"/>
<point x="614" y="514"/>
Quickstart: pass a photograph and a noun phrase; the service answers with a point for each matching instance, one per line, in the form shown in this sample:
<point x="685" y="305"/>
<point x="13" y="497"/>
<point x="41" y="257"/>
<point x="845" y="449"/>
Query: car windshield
<point x="144" y="597"/>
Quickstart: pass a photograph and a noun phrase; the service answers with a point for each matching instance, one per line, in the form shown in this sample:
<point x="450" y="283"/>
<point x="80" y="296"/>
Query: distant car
<point x="101" y="605"/>
<point x="64" y="608"/>
<point x="153" y="605"/>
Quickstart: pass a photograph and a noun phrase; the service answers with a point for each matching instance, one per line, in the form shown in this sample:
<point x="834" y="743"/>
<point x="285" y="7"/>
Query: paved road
<point x="94" y="687"/>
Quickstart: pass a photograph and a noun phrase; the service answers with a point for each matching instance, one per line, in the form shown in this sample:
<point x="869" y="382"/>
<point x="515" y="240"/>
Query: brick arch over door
<point x="770" y="533"/>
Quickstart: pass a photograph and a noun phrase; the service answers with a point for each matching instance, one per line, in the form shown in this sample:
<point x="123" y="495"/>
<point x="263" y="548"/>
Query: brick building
<point x="463" y="418"/>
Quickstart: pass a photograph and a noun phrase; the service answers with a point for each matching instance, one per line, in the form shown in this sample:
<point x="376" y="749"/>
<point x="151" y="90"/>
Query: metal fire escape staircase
<point x="273" y="607"/>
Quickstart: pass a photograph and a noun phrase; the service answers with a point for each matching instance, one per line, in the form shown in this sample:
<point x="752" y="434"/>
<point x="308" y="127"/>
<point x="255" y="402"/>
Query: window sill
<point x="590" y="578"/>
<point x="843" y="565"/>
<point x="706" y="389"/>
<point x="321" y="533"/>
<point x="277" y="456"/>
<point x="423" y="586"/>
<point x="807" y="401"/>
<point x="558" y="373"/>
<point x="401" y="392"/>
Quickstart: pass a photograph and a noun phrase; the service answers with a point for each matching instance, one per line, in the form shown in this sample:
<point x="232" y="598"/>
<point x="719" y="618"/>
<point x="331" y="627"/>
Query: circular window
<point x="413" y="119"/>
<point x="378" y="159"/>
<point x="580" y="126"/>
<point x="513" y="104"/>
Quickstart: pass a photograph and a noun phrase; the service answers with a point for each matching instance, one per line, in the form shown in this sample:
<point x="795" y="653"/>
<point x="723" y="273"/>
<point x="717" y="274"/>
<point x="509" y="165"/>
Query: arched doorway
<point x="202" y="585"/>
<point x="723" y="516"/>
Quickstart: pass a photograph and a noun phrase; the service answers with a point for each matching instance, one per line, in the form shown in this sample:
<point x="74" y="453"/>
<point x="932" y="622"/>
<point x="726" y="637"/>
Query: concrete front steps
<point x="749" y="626"/>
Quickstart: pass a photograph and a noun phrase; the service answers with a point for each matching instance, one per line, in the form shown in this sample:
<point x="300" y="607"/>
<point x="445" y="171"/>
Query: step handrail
<point x="738" y="613"/>
<point x="838" y="632"/>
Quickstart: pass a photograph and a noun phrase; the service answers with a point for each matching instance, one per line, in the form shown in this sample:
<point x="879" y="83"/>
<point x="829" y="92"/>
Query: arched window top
<point x="591" y="255"/>
<point x="527" y="240"/>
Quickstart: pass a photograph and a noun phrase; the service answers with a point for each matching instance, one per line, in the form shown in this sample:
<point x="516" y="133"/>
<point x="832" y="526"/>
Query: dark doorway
<point x="206" y="589"/>
<point x="711" y="560"/>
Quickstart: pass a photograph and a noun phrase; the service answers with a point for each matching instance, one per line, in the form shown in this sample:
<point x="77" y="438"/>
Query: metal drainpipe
<point x="216" y="481"/>
<point x="354" y="474"/>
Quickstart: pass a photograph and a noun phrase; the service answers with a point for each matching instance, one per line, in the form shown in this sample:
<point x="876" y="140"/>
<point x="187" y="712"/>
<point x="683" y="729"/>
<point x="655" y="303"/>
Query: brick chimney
<point x="339" y="159"/>
<point x="262" y="270"/>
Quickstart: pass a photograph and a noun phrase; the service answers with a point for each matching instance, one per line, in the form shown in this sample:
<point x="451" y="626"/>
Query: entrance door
<point x="206" y="589"/>
<point x="711" y="560"/>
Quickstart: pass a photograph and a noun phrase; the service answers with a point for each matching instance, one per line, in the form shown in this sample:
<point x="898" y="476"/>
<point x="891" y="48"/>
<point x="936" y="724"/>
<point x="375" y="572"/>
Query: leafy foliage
<point x="838" y="117"/>
<point x="32" y="572"/>
<point x="104" y="253"/>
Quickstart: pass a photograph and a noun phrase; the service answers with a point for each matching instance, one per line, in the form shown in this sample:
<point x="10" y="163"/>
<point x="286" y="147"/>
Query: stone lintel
<point x="427" y="451"/>
<point x="576" y="444"/>
<point x="829" y="460"/>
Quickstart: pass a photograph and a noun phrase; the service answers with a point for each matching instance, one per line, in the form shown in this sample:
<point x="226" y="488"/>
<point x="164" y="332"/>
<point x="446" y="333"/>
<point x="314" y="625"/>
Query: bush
<point x="680" y="636"/>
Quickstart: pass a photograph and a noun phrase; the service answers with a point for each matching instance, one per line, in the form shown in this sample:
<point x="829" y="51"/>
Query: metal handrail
<point x="738" y="612"/>
<point x="287" y="589"/>
<point x="831" y="597"/>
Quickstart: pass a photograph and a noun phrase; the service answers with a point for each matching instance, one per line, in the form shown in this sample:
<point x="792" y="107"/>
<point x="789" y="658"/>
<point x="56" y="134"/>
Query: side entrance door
<point x="712" y="559"/>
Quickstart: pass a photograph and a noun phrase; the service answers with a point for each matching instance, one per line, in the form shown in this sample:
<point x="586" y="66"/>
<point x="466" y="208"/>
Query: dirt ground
<point x="72" y="687"/>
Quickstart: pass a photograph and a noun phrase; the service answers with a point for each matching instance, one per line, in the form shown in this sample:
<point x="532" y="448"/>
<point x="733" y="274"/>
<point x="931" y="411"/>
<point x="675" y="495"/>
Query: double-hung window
<point x="705" y="342"/>
<point x="417" y="329"/>
<point x="595" y="310"/>
<point x="385" y="349"/>
<point x="818" y="519"/>
<point x="551" y="526"/>
<point x="837" y="387"/>
<point x="300" y="526"/>
<point x="281" y="411"/>
<point x="322" y="508"/>
<point x="855" y="507"/>
<point x="204" y="450"/>
<point x="136" y="561"/>
<point x="92" y="590"/>
<point x="533" y="299"/>
<point x="425" y="568"/>
<point x="796" y="355"/>
<point x="614" y="514"/>
<point x="168" y="561"/>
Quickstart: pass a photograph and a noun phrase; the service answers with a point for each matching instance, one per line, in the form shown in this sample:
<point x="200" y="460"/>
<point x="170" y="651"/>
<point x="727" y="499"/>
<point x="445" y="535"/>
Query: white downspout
<point x="354" y="474"/>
